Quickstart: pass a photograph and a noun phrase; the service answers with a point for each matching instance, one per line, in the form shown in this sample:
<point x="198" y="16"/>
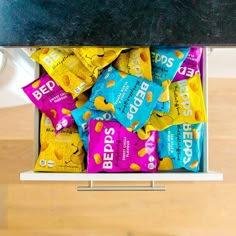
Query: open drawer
<point x="203" y="175"/>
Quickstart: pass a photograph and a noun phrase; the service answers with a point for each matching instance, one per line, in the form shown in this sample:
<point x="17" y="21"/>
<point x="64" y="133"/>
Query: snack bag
<point x="187" y="105"/>
<point x="82" y="116"/>
<point x="96" y="58"/>
<point x="112" y="148"/>
<point x="52" y="100"/>
<point x="181" y="146"/>
<point x="190" y="66"/>
<point x="59" y="153"/>
<point x="136" y="61"/>
<point x="126" y="96"/>
<point x="80" y="100"/>
<point x="165" y="64"/>
<point x="66" y="69"/>
<point x="66" y="50"/>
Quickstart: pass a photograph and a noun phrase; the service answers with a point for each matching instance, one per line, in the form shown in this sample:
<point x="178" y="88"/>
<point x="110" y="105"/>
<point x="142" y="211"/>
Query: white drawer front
<point x="201" y="176"/>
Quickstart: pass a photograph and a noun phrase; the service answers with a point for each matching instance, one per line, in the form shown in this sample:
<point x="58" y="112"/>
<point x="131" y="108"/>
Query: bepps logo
<point x="164" y="60"/>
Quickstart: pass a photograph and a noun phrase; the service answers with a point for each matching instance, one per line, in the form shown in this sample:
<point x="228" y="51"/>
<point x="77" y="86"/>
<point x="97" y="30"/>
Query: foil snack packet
<point x="187" y="105"/>
<point x="181" y="146"/>
<point x="96" y="58"/>
<point x="66" y="69"/>
<point x="190" y="66"/>
<point x="112" y="148"/>
<point x="52" y="100"/>
<point x="59" y="153"/>
<point x="126" y="96"/>
<point x="83" y="115"/>
<point x="165" y="64"/>
<point x="81" y="100"/>
<point x="136" y="61"/>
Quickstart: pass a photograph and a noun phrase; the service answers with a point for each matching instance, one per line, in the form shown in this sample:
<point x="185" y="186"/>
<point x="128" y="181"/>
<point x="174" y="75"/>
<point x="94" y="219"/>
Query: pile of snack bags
<point x="117" y="109"/>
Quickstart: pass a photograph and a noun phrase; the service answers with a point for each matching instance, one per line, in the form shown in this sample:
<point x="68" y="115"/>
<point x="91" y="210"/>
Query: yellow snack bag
<point x="65" y="68"/>
<point x="81" y="100"/>
<point x="59" y="153"/>
<point x="186" y="105"/>
<point x="96" y="58"/>
<point x="136" y="62"/>
<point x="66" y="50"/>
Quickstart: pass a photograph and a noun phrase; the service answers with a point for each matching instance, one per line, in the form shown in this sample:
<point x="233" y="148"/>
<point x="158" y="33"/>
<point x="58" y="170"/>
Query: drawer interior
<point x="180" y="175"/>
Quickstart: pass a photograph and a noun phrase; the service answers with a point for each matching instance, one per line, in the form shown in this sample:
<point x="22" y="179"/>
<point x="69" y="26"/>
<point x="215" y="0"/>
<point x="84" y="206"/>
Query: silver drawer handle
<point x="152" y="187"/>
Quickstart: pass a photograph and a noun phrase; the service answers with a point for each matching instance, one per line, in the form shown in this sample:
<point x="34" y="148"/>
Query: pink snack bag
<point x="190" y="66"/>
<point x="112" y="148"/>
<point x="52" y="100"/>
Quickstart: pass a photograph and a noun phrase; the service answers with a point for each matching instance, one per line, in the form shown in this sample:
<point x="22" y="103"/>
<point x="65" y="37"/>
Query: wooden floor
<point x="196" y="208"/>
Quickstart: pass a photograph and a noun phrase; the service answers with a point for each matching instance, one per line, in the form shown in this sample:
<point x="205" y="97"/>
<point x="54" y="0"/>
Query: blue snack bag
<point x="83" y="115"/>
<point x="131" y="99"/>
<point x="181" y="146"/>
<point x="165" y="64"/>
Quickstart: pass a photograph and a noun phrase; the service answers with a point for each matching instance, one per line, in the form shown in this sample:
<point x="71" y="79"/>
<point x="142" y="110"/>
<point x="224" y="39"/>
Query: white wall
<point x="19" y="71"/>
<point x="222" y="63"/>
